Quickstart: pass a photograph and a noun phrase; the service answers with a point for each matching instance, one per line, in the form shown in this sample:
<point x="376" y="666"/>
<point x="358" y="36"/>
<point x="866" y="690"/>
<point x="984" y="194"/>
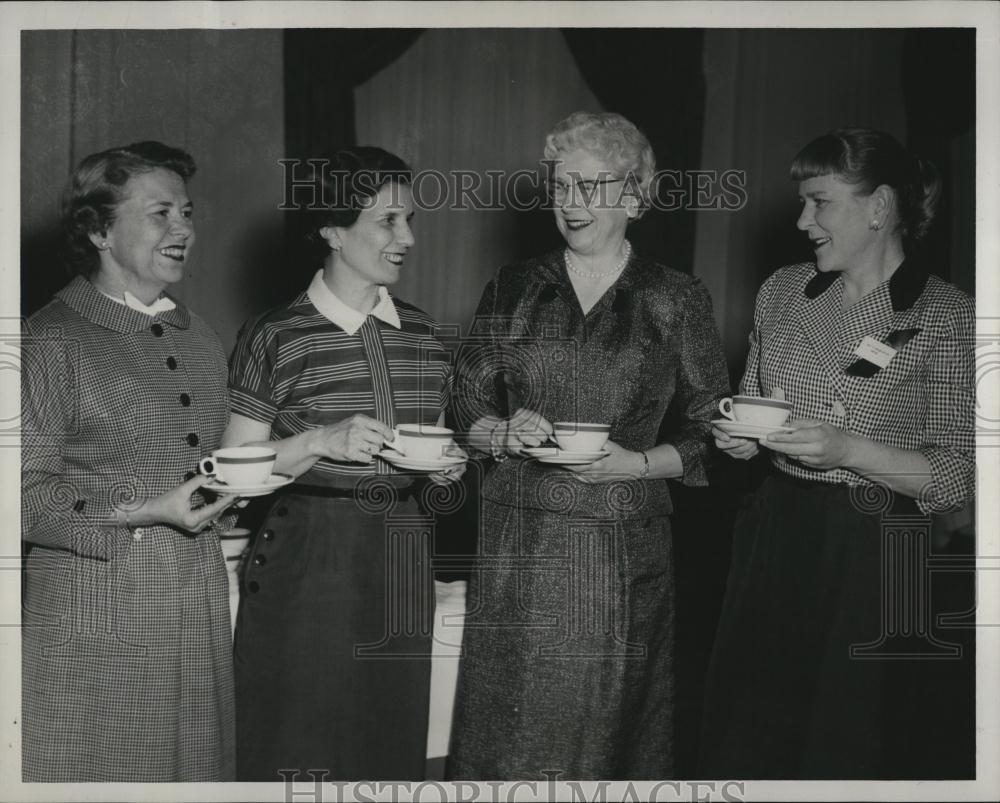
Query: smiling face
<point x="836" y="218"/>
<point x="371" y="251"/>
<point x="147" y="245"/>
<point x="589" y="217"/>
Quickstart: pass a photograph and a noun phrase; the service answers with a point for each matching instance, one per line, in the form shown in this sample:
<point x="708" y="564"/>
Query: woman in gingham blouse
<point x="127" y="664"/>
<point x="338" y="563"/>
<point x="870" y="440"/>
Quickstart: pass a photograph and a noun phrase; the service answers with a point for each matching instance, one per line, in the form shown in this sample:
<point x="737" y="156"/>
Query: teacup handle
<point x="395" y="443"/>
<point x="206" y="466"/>
<point x="726" y="408"/>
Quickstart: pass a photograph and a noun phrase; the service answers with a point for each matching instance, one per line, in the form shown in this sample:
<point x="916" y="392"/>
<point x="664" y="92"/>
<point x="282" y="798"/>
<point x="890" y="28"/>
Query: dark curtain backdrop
<point x="322" y="67"/>
<point x="939" y="95"/>
<point x="654" y="78"/>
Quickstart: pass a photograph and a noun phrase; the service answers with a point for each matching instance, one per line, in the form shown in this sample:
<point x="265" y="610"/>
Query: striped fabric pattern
<point x="296" y="370"/>
<point x="923" y="399"/>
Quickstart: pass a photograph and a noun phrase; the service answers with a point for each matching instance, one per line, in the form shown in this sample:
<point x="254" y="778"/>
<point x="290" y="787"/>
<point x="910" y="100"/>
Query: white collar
<point x="162" y="304"/>
<point x="348" y="318"/>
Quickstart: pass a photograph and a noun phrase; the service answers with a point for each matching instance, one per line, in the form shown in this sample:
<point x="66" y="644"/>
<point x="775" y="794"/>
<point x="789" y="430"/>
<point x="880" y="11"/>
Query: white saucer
<point x="741" y="429"/>
<point x="560" y="457"/>
<point x="538" y="451"/>
<point x="274" y="482"/>
<point x="419" y="464"/>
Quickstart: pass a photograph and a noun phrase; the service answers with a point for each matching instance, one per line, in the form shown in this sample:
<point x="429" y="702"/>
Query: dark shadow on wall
<point x="271" y="272"/>
<point x="42" y="271"/>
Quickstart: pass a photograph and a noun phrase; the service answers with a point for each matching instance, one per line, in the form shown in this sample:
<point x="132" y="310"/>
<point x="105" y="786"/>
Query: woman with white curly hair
<point x="568" y="654"/>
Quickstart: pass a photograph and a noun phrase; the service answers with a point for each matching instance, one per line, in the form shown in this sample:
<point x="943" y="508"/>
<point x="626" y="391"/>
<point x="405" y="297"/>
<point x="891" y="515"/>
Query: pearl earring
<point x="875" y="225"/>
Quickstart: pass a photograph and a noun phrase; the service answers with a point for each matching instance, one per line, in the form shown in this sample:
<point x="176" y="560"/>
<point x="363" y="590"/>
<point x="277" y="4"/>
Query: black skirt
<point x="823" y="664"/>
<point x="333" y="642"/>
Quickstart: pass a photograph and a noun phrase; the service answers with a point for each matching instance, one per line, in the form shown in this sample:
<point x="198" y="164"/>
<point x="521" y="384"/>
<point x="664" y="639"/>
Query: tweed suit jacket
<point x="648" y="345"/>
<point x="804" y="343"/>
<point x="127" y="651"/>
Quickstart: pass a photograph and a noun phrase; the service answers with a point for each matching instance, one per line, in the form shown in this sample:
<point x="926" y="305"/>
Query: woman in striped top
<point x="333" y="638"/>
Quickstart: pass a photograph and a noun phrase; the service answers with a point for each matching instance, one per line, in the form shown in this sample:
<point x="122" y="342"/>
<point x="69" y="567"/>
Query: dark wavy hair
<point x="95" y="190"/>
<point x="350" y="179"/>
<point x="869" y="158"/>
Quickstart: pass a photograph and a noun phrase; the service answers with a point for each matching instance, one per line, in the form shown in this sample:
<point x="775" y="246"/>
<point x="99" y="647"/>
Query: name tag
<point x="877" y="353"/>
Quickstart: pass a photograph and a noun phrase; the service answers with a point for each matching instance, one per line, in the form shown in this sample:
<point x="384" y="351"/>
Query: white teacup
<point x="240" y="466"/>
<point x="423" y="441"/>
<point x="760" y="411"/>
<point x="577" y="436"/>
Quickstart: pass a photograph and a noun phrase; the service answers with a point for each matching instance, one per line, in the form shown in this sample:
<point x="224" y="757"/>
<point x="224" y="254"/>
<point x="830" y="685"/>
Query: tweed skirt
<point x="568" y="649"/>
<point x="127" y="665"/>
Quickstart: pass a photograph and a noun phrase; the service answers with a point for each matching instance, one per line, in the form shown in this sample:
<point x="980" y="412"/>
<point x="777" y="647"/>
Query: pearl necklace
<point x="569" y="259"/>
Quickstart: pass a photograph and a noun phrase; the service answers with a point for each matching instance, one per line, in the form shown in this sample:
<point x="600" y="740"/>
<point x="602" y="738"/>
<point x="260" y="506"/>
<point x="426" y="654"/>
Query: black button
<point x="192" y="439"/>
<point x="185" y="400"/>
<point x="268" y="535"/>
<point x="282" y="511"/>
<point x="189" y="475"/>
<point x="253" y="586"/>
<point x="79" y="505"/>
<point x="156" y="329"/>
<point x="171" y="363"/>
<point x="260" y="560"/>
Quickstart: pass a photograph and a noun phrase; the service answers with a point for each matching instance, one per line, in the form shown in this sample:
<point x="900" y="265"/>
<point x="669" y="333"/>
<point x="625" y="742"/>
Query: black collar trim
<point x="905" y="285"/>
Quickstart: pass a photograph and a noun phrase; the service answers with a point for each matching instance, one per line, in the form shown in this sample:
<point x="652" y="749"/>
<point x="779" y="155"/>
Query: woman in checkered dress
<point x="127" y="669"/>
<point x="333" y="636"/>
<point x="875" y="356"/>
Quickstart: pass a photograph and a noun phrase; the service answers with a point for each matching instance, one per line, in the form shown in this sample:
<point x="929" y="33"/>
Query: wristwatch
<point x="498" y="452"/>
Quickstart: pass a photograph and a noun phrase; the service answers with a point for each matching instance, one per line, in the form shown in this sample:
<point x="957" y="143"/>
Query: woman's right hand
<point x="738" y="448"/>
<point x="524" y="428"/>
<point x="174" y="508"/>
<point x="354" y="439"/>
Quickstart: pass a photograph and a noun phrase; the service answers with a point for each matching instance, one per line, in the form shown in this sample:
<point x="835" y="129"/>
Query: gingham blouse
<point x="803" y="342"/>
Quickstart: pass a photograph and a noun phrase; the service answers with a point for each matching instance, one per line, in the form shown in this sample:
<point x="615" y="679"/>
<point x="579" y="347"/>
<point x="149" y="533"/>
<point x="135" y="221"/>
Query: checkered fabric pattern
<point x="923" y="399"/>
<point x="127" y="665"/>
<point x="296" y="370"/>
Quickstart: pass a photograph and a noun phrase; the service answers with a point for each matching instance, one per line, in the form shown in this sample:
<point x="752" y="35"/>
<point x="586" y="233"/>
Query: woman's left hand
<point x="621" y="464"/>
<point x="814" y="444"/>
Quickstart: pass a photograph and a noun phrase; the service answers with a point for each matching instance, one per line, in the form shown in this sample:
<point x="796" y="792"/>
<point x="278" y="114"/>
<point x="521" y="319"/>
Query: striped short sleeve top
<point x="298" y="367"/>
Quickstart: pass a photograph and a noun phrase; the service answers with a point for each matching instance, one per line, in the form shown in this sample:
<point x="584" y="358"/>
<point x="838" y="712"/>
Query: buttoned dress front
<point x="568" y="647"/>
<point x="802" y="683"/>
<point x="127" y="664"/>
<point x="333" y="635"/>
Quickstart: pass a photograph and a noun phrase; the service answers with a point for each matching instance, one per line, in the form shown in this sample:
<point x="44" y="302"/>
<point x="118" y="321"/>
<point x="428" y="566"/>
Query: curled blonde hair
<point x="613" y="140"/>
